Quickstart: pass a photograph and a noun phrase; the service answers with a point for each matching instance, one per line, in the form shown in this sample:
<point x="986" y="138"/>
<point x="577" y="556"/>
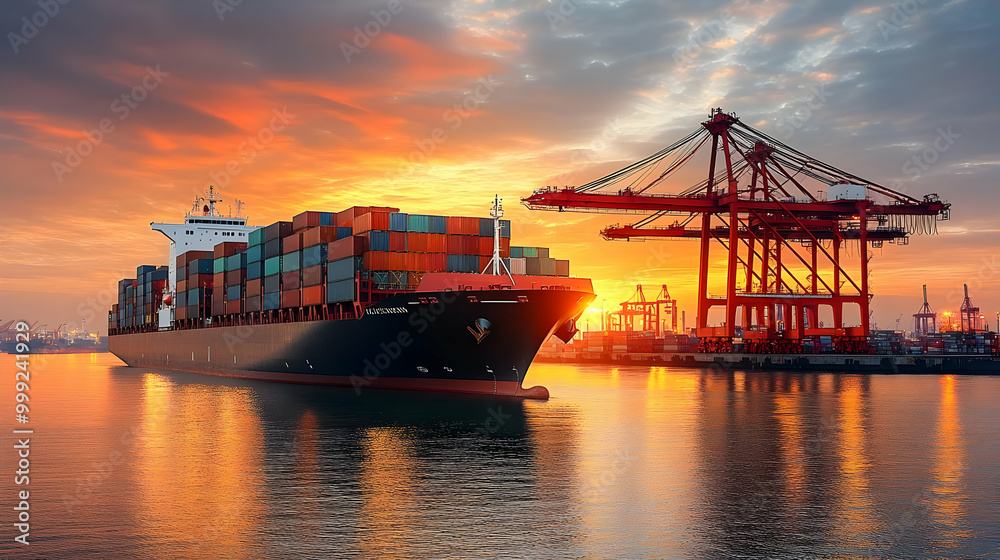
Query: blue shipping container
<point x="255" y="253"/>
<point x="342" y="290"/>
<point x="438" y="224"/>
<point x="486" y="228"/>
<point x="378" y="240"/>
<point x="140" y="270"/>
<point x="342" y="269"/>
<point x="201" y="266"/>
<point x="271" y="301"/>
<point x="326" y="218"/>
<point x="343" y="232"/>
<point x="463" y="263"/>
<point x="255" y="270"/>
<point x="314" y="255"/>
<point x="397" y="221"/>
<point x="233" y="293"/>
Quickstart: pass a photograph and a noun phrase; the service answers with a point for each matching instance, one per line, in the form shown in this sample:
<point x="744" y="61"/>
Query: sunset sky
<point x="434" y="106"/>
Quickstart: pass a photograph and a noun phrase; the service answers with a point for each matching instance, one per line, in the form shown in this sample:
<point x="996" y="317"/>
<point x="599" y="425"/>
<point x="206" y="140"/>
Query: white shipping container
<point x="518" y="266"/>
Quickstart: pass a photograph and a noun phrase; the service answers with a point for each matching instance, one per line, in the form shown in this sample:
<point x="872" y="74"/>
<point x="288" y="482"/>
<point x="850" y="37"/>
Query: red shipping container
<point x="305" y="220"/>
<point x="228" y="249"/>
<point x="235" y="277"/>
<point x="233" y="307"/>
<point x="318" y="235"/>
<point x="397" y="241"/>
<point x="437" y="243"/>
<point x="353" y="246"/>
<point x="416" y="242"/>
<point x="483" y="261"/>
<point x="218" y="306"/>
<point x="218" y="279"/>
<point x="252" y="304"/>
<point x="181" y="286"/>
<point x="371" y="221"/>
<point x="312" y="276"/>
<point x="291" y="243"/>
<point x="313" y="295"/>
<point x="180" y="313"/>
<point x="290" y="280"/>
<point x="504" y="247"/>
<point x="290" y="298"/>
<point x="253" y="287"/>
<point x="201" y="281"/>
<point x="458" y="225"/>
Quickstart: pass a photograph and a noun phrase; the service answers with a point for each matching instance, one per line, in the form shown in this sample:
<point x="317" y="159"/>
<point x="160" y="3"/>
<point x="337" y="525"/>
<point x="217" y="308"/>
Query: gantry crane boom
<point x="755" y="202"/>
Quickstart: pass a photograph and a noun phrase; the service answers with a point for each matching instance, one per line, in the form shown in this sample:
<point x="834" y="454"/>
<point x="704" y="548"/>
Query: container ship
<point x="367" y="297"/>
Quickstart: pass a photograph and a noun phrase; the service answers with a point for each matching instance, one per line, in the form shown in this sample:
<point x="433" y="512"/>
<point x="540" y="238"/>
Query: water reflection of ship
<point x="383" y="473"/>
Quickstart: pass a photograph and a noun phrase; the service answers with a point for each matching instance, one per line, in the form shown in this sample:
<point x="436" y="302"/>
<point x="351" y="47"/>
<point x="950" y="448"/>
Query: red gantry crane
<point x="786" y="245"/>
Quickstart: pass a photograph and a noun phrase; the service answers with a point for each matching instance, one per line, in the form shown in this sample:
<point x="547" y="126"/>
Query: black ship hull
<point x="455" y="341"/>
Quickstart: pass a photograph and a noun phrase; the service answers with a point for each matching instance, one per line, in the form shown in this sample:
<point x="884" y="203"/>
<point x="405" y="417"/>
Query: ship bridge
<point x="203" y="228"/>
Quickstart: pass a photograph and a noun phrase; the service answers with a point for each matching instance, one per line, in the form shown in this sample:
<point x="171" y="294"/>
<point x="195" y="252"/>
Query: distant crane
<point x="925" y="320"/>
<point x="969" y="317"/>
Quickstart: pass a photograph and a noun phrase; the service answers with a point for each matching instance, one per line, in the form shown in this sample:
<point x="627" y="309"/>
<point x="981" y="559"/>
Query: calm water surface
<point x="626" y="462"/>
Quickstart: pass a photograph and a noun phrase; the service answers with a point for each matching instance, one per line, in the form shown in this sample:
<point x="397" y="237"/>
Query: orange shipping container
<point x="458" y="225"/>
<point x="371" y="221"/>
<point x="312" y="295"/>
<point x="427" y="242"/>
<point x="219" y="279"/>
<point x="291" y="243"/>
<point x="318" y="235"/>
<point x="290" y="298"/>
<point x="305" y="220"/>
<point x="353" y="246"/>
<point x="253" y="287"/>
<point x="233" y="307"/>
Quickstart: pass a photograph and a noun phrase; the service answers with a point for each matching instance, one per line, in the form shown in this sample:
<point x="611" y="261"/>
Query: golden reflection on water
<point x="948" y="497"/>
<point x="306" y="468"/>
<point x="199" y="453"/>
<point x="788" y="412"/>
<point x="854" y="505"/>
<point x="387" y="494"/>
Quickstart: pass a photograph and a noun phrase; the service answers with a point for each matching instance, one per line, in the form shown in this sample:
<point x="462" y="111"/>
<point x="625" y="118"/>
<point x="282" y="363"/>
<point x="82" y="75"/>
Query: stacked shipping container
<point x="325" y="258"/>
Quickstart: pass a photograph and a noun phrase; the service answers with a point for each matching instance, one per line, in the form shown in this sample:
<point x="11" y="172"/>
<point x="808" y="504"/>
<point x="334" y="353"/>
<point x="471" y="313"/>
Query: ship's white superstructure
<point x="203" y="228"/>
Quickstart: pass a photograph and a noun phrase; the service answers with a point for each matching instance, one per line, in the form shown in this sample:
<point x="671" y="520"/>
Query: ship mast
<point x="496" y="263"/>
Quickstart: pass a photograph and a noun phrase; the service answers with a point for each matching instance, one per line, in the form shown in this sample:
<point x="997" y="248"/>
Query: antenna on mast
<point x="496" y="262"/>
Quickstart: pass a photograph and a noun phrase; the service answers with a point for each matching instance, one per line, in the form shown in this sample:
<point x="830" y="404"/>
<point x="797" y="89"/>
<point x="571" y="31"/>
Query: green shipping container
<point x="220" y="265"/>
<point x="272" y="266"/>
<point x="291" y="261"/>
<point x="256" y="237"/>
